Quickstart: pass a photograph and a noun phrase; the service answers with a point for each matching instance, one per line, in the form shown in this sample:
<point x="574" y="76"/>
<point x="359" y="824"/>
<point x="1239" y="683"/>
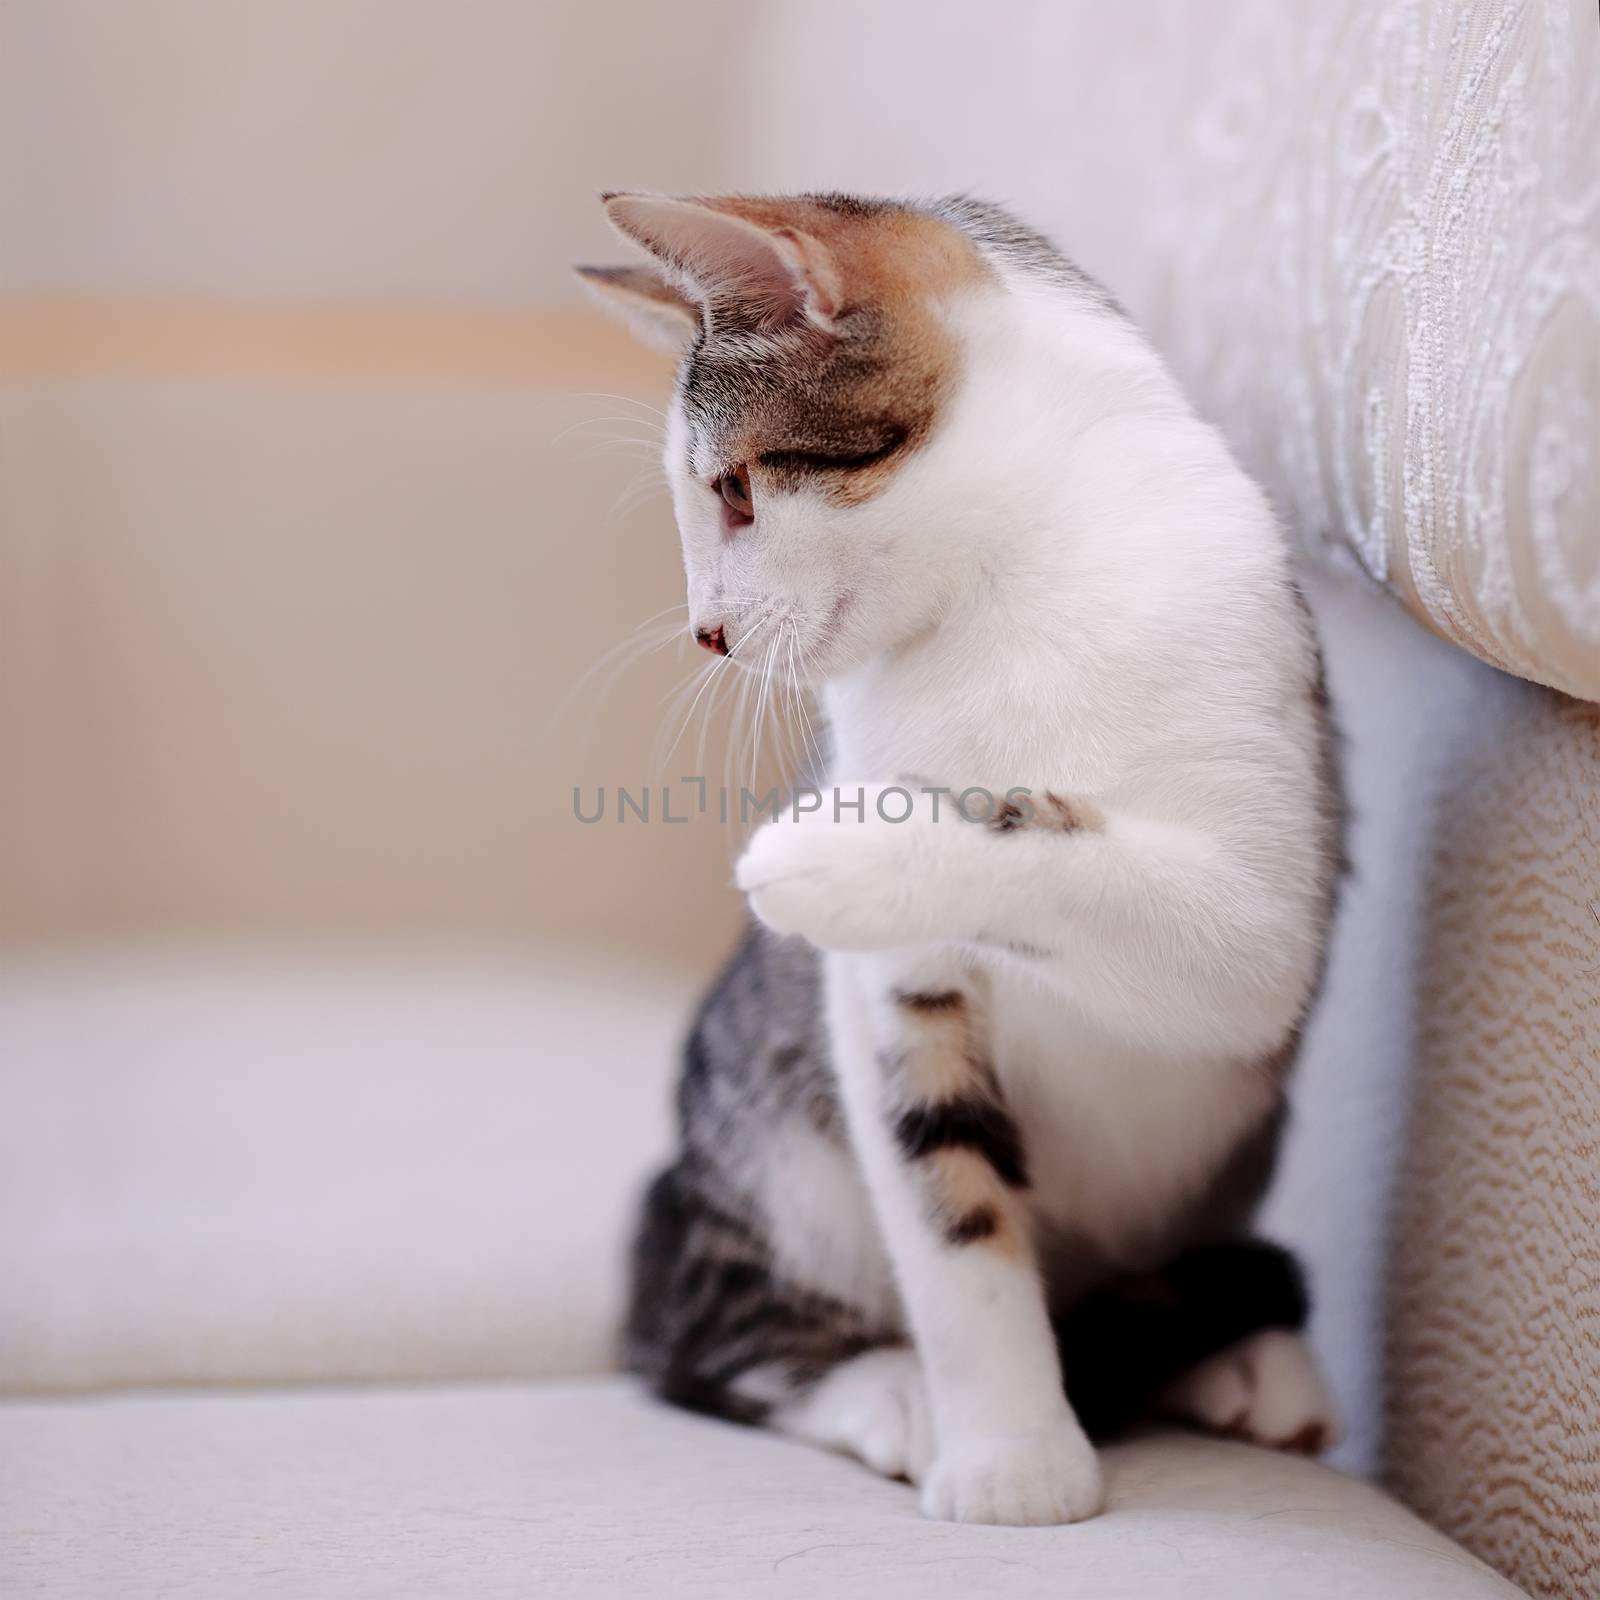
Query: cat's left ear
<point x="661" y="314"/>
<point x="778" y="275"/>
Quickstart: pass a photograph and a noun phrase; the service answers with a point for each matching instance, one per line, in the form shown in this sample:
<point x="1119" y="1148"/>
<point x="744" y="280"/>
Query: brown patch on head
<point x="836" y="409"/>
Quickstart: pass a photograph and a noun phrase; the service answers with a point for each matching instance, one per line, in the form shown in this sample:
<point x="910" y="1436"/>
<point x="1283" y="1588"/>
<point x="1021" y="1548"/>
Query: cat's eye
<point x="739" y="505"/>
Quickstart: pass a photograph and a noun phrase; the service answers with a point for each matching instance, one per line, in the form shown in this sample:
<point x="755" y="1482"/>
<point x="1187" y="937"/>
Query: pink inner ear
<point x="813" y="266"/>
<point x="778" y="275"/>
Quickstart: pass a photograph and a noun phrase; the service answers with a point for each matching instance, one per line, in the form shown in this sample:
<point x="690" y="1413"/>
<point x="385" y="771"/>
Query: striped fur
<point x="949" y="1120"/>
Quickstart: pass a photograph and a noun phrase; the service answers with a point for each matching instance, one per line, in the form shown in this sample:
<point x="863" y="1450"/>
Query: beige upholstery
<point x="578" y="1490"/>
<point x="1494" y="1382"/>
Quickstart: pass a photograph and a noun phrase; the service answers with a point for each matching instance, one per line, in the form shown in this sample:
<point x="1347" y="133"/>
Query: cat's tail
<point x="1125" y="1345"/>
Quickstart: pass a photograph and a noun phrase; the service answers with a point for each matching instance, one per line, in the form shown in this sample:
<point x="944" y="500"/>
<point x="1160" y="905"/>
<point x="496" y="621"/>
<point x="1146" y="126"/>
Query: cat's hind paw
<point x="873" y="1407"/>
<point x="1266" y="1389"/>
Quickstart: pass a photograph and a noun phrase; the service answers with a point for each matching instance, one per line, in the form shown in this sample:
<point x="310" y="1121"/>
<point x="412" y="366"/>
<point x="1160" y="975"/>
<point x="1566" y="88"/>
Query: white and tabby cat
<point x="974" y="1124"/>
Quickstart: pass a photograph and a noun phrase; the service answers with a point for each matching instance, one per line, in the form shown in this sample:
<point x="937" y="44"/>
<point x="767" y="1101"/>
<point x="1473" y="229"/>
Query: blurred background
<point x="330" y="1044"/>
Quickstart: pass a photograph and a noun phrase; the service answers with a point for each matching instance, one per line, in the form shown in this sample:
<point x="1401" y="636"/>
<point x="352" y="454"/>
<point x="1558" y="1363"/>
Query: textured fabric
<point x="579" y="1490"/>
<point x="1366" y="233"/>
<point x="1494" y="1392"/>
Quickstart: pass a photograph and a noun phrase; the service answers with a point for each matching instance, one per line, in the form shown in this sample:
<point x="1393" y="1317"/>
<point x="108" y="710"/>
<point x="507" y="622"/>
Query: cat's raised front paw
<point x="839" y="884"/>
<point x="1031" y="1479"/>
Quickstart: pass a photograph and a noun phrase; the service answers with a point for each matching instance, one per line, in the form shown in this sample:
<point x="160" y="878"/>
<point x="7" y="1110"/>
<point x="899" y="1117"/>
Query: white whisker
<point x="652" y="635"/>
<point x="717" y="667"/>
<point x="622" y="399"/>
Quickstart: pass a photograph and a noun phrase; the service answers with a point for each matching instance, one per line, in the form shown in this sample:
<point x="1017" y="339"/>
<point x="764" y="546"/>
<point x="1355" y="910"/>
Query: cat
<point x="973" y="1126"/>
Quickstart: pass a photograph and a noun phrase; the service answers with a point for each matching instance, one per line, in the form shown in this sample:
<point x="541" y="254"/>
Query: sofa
<point x="333" y="1051"/>
<point x="312" y="1280"/>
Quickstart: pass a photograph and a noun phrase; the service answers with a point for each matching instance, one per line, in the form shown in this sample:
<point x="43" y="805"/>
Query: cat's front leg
<point x="948" y="1176"/>
<point x="883" y="866"/>
<point x="860" y="871"/>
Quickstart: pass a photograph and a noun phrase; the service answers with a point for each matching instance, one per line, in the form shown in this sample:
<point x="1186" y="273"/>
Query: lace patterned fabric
<point x="1429" y="267"/>
<point x="1366" y="234"/>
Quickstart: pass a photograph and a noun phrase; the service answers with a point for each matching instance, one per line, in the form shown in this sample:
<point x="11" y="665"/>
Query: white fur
<point x="829" y="1240"/>
<point x="1266" y="1388"/>
<point x="874" y="1407"/>
<point x="1008" y="1442"/>
<point x="1070" y="587"/>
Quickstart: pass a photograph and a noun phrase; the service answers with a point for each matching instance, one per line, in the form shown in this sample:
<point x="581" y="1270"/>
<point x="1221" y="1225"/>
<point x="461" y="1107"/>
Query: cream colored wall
<point x="306" y="495"/>
<point x="347" y="150"/>
<point x="282" y="292"/>
<point x="293" y="658"/>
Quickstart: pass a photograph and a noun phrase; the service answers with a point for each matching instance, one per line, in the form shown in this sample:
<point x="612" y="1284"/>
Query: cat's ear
<point x="660" y="313"/>
<point x="778" y="275"/>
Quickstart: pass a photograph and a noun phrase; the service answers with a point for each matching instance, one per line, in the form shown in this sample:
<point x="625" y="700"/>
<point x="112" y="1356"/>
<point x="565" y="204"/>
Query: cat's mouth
<point x="822" y="650"/>
<point x="786" y="642"/>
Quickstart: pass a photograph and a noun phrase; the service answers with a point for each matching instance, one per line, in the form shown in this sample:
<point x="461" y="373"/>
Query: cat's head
<point x="818" y="472"/>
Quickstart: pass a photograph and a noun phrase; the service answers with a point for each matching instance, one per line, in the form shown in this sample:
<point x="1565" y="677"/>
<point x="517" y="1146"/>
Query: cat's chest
<point x="995" y="730"/>
<point x="1118" y="1142"/>
<point x="1003" y="749"/>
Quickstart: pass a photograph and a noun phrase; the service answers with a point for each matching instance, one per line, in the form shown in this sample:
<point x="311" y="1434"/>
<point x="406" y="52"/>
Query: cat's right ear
<point x="642" y="298"/>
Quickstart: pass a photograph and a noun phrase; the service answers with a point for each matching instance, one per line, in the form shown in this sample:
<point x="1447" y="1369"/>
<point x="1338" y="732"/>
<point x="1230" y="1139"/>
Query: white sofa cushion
<point x="584" y="1488"/>
<point x="217" y="1170"/>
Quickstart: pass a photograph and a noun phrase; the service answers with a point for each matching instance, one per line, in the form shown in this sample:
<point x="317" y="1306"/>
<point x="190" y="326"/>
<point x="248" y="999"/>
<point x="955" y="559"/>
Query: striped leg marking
<point x="950" y="1123"/>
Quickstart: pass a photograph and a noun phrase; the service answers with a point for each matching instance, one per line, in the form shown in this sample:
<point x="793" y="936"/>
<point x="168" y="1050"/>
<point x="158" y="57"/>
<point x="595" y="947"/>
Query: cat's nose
<point x="712" y="639"/>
